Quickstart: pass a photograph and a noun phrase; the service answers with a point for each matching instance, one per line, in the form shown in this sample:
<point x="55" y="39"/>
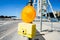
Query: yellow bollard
<point x="27" y="29"/>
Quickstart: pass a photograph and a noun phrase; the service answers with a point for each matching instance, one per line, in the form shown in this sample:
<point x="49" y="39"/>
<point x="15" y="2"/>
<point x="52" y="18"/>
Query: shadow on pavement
<point x="38" y="36"/>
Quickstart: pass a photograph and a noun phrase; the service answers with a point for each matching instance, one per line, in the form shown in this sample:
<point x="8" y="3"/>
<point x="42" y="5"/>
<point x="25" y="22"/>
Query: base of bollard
<point x="29" y="38"/>
<point x="36" y="39"/>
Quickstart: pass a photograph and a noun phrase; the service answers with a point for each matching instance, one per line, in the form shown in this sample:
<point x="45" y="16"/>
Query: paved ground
<point x="9" y="31"/>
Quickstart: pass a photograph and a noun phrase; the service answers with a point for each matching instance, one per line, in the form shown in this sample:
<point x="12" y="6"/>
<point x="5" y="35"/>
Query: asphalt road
<point x="8" y="31"/>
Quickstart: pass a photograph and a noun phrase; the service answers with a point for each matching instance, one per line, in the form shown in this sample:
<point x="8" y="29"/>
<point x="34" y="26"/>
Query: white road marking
<point x="8" y="33"/>
<point x="6" y="23"/>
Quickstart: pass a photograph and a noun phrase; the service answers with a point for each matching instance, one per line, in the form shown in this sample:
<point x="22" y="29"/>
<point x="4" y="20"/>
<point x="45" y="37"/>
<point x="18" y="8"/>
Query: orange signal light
<point x="28" y="14"/>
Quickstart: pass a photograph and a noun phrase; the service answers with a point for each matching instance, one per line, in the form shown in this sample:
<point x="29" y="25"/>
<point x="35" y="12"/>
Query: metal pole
<point x="38" y="8"/>
<point x="41" y="15"/>
<point x="30" y="1"/>
<point x="51" y="8"/>
<point x="49" y="15"/>
<point x="34" y="2"/>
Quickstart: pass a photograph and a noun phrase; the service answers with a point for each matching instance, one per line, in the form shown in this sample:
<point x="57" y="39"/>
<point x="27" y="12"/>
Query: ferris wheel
<point x="41" y="6"/>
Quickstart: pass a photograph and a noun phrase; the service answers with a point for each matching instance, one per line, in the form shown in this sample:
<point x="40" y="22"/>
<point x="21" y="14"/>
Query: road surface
<point x="8" y="31"/>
